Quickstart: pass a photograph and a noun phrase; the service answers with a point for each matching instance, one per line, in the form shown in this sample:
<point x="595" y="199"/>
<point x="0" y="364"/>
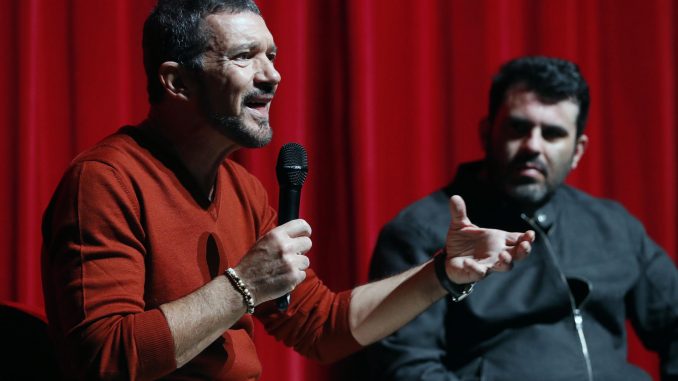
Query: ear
<point x="176" y="81"/>
<point x="579" y="148"/>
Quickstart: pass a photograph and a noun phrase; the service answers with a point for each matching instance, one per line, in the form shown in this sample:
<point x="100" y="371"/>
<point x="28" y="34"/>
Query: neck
<point x="198" y="145"/>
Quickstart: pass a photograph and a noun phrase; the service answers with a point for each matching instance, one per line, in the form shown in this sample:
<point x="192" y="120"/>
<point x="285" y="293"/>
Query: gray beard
<point x="234" y="128"/>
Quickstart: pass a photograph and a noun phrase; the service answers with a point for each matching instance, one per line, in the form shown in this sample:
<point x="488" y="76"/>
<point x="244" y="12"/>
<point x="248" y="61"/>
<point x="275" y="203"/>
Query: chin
<point x="528" y="194"/>
<point x="245" y="133"/>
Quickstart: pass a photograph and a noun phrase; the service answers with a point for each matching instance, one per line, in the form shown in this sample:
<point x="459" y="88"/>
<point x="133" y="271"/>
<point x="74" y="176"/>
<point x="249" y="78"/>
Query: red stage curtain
<point x="386" y="96"/>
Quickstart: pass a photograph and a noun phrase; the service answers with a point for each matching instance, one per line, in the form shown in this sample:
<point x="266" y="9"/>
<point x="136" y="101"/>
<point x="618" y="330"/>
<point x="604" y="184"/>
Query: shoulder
<point x="425" y="216"/>
<point x="415" y="234"/>
<point x="118" y="150"/>
<point x="583" y="202"/>
<point x="109" y="158"/>
<point x="118" y="167"/>
<point x="600" y="214"/>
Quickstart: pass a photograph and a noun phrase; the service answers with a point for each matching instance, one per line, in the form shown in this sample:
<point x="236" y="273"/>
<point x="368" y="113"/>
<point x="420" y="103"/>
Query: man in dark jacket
<point x="560" y="314"/>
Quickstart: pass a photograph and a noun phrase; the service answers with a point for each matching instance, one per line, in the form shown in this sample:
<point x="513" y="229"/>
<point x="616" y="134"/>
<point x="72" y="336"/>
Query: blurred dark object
<point x="29" y="353"/>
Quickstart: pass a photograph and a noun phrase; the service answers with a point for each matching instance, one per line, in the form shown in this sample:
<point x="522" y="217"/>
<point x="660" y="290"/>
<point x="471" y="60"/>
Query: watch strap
<point x="457" y="291"/>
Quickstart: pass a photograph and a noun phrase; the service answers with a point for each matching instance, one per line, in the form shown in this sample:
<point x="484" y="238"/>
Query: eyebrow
<point x="250" y="46"/>
<point x="524" y="121"/>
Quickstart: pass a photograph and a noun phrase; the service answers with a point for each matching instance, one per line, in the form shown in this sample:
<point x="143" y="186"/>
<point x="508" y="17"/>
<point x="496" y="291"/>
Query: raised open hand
<point x="472" y="252"/>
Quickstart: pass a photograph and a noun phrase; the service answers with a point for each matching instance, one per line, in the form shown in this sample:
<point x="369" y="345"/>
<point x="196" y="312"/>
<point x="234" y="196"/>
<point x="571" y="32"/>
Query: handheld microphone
<point x="291" y="170"/>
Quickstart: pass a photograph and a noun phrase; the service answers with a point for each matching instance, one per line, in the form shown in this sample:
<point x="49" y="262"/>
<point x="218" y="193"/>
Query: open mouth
<point x="258" y="104"/>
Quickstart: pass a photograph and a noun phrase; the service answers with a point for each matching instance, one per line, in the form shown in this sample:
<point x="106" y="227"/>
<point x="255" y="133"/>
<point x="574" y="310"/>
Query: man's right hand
<point x="275" y="265"/>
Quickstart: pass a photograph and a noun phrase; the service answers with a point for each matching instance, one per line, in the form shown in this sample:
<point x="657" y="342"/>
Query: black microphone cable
<point x="576" y="312"/>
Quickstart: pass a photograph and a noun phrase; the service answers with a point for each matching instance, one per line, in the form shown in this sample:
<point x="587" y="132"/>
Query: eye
<point x="241" y="56"/>
<point x="553" y="133"/>
<point x="272" y="56"/>
<point x="518" y="127"/>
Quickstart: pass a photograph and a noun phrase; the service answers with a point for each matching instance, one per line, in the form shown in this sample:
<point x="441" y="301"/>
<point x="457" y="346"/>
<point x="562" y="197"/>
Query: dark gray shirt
<point x="519" y="325"/>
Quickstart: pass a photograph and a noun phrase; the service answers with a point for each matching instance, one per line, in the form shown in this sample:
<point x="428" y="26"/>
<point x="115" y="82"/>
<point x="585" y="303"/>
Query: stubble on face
<point x="532" y="146"/>
<point x="528" y="191"/>
<point x="236" y="129"/>
<point x="232" y="100"/>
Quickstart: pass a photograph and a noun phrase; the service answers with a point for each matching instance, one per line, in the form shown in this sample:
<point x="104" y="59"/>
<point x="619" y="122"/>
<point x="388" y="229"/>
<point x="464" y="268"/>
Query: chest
<point x="602" y="261"/>
<point x="186" y="244"/>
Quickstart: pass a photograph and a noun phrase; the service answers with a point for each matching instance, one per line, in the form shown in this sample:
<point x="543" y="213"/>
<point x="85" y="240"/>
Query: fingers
<point x="520" y="244"/>
<point x="296" y="274"/>
<point x="458" y="211"/>
<point x="295" y="228"/>
<point x="476" y="268"/>
<point x="465" y="270"/>
<point x="291" y="237"/>
<point x="504" y="262"/>
<point x="297" y="261"/>
<point x="515" y="238"/>
<point x="521" y="250"/>
<point x="299" y="245"/>
<point x="528" y="236"/>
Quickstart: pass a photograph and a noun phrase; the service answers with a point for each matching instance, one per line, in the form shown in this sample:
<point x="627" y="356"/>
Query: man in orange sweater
<point x="158" y="249"/>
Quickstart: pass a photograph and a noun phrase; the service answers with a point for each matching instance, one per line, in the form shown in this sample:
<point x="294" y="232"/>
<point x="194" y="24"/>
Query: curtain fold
<point x="385" y="95"/>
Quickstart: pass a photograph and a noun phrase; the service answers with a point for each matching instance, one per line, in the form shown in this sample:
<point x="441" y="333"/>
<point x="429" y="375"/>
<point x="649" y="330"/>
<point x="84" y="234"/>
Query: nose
<point x="266" y="73"/>
<point x="533" y="141"/>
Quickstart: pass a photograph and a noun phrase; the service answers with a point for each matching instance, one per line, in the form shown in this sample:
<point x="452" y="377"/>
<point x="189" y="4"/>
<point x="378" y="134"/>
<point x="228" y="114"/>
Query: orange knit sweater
<point x="127" y="230"/>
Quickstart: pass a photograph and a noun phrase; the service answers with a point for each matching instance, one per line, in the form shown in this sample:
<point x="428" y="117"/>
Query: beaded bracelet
<point x="240" y="287"/>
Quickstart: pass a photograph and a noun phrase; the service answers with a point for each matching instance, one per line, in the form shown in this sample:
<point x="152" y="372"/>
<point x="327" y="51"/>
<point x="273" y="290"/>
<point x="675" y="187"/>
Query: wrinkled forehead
<point x="232" y="29"/>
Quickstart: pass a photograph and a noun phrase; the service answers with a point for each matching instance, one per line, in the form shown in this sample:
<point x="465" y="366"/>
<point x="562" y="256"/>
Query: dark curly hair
<point x="175" y="31"/>
<point x="552" y="79"/>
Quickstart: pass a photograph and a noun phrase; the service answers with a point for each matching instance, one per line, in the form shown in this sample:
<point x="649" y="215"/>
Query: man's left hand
<point x="473" y="252"/>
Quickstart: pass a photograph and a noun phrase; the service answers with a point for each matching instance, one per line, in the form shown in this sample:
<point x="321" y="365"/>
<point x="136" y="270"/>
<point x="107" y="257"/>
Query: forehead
<point x="233" y="29"/>
<point x="526" y="104"/>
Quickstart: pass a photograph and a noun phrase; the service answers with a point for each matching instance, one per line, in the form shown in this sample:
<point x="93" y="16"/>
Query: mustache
<point x="263" y="91"/>
<point x="528" y="161"/>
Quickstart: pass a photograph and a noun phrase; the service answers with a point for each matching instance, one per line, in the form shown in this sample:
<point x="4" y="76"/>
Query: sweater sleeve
<point x="94" y="277"/>
<point x="316" y="322"/>
<point x="417" y="350"/>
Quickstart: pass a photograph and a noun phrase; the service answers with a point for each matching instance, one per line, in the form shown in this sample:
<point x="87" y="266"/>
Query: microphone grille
<point x="292" y="166"/>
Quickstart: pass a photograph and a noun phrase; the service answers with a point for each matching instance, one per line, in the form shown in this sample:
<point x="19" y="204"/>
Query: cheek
<point x="237" y="83"/>
<point x="560" y="158"/>
<point x="239" y="78"/>
<point x="506" y="150"/>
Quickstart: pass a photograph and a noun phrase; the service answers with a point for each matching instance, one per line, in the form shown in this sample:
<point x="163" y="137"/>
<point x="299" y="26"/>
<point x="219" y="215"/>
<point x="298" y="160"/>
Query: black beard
<point x="525" y="193"/>
<point x="529" y="195"/>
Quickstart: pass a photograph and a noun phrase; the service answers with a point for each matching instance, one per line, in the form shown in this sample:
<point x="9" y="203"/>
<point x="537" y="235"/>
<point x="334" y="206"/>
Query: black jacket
<point x="519" y="325"/>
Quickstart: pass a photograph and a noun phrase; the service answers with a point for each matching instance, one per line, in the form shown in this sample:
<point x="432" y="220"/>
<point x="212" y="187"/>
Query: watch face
<point x="468" y="288"/>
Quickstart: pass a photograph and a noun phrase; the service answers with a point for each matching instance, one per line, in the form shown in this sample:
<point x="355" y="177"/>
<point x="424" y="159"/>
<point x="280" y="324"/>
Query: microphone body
<point x="291" y="170"/>
<point x="288" y="204"/>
